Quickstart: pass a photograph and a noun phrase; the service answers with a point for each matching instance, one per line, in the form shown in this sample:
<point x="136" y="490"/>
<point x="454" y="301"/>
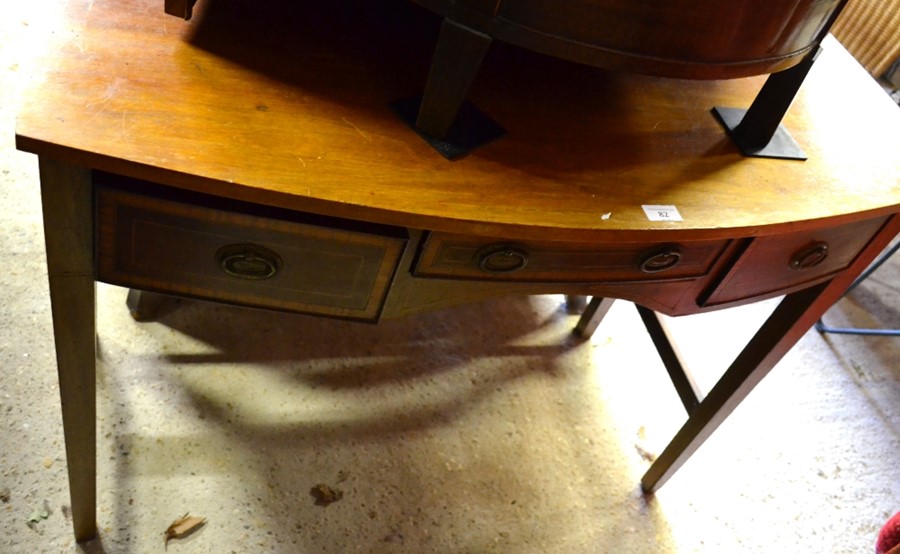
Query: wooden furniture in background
<point x="697" y="39"/>
<point x="250" y="157"/>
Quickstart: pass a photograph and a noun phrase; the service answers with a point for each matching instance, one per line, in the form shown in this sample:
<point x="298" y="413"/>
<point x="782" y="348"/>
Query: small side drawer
<point x="780" y="264"/>
<point x="456" y="256"/>
<point x="255" y="259"/>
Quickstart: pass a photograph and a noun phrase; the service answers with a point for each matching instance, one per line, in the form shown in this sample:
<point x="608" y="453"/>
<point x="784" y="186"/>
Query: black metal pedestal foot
<point x="471" y="128"/>
<point x="757" y="131"/>
<point x="782" y="145"/>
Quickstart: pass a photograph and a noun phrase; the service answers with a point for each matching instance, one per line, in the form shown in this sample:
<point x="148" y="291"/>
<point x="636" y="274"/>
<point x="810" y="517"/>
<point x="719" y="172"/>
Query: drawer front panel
<point x="778" y="264"/>
<point x="455" y="256"/>
<point x="169" y="246"/>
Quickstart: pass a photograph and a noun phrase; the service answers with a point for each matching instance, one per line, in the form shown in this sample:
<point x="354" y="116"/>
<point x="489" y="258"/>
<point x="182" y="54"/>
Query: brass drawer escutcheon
<point x="810" y="257"/>
<point x="502" y="258"/>
<point x="661" y="260"/>
<point x="248" y="261"/>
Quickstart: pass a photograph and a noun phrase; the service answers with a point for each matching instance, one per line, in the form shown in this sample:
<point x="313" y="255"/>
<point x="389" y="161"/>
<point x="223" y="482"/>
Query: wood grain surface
<point x="286" y="105"/>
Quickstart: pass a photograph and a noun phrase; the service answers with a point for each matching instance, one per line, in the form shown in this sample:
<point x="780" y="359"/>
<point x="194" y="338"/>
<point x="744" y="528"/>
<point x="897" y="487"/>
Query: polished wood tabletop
<point x="287" y="105"/>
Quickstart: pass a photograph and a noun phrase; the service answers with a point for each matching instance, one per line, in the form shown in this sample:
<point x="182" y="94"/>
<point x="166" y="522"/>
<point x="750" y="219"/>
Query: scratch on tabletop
<point x="358" y="130"/>
<point x="302" y="161"/>
<point x="111" y="91"/>
<point x="108" y="96"/>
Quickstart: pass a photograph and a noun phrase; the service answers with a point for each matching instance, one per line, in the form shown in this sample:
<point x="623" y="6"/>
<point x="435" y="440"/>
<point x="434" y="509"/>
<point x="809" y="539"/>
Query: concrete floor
<point x="485" y="428"/>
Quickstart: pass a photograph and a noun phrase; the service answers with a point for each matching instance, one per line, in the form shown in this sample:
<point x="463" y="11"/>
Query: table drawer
<point x="456" y="256"/>
<point x="240" y="256"/>
<point x="780" y="264"/>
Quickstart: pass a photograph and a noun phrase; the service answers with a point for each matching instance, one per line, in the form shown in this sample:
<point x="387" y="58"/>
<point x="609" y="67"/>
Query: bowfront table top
<point x="287" y="106"/>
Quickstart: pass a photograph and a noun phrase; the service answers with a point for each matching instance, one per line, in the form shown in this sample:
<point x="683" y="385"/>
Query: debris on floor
<point x="325" y="495"/>
<point x="183" y="526"/>
<point x="640" y="445"/>
<point x="39" y="515"/>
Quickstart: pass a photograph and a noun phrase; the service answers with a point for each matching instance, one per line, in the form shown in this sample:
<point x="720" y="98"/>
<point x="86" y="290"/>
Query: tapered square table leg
<point x="67" y="210"/>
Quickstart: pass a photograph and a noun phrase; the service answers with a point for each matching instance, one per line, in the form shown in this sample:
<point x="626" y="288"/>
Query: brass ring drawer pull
<point x="502" y="258"/>
<point x="248" y="261"/>
<point x="660" y="260"/>
<point x="810" y="257"/>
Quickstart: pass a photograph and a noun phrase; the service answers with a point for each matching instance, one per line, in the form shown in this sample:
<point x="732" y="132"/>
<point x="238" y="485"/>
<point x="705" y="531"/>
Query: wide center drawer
<point x="458" y="256"/>
<point x="167" y="241"/>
